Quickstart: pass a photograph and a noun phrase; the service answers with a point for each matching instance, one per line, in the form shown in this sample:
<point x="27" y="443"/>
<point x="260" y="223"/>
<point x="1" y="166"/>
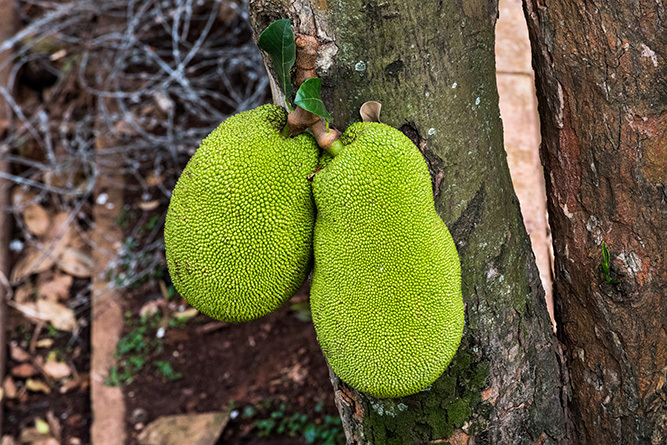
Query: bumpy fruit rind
<point x="238" y="232"/>
<point x="386" y="291"/>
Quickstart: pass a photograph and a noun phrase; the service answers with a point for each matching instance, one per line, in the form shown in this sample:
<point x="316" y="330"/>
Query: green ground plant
<point x="275" y="419"/>
<point x="134" y="350"/>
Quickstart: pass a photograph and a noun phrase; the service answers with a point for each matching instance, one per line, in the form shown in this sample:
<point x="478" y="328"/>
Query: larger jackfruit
<point x="238" y="232"/>
<point x="386" y="291"/>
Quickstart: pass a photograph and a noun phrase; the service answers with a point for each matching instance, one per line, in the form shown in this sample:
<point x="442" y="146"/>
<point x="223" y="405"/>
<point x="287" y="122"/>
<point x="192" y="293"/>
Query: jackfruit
<point x="386" y="288"/>
<point x="238" y="231"/>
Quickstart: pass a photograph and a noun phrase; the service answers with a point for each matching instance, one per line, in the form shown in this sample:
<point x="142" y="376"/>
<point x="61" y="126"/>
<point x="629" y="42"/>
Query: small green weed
<point x="134" y="349"/>
<point x="301" y="311"/>
<point x="605" y="265"/>
<point x="126" y="218"/>
<point x="171" y="292"/>
<point x="135" y="266"/>
<point x="167" y="371"/>
<point x="150" y="225"/>
<point x="178" y="323"/>
<point x="270" y="420"/>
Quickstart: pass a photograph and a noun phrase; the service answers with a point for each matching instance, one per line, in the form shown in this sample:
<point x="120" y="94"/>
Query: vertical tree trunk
<point x="431" y="65"/>
<point x="602" y="88"/>
<point x="7" y="26"/>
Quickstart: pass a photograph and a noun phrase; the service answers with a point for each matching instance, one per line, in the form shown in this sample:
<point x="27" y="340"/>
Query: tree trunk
<point x="602" y="89"/>
<point x="7" y="25"/>
<point x="431" y="65"/>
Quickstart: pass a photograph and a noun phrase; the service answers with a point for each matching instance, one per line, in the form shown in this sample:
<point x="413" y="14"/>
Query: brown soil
<point x="71" y="409"/>
<point x="275" y="359"/>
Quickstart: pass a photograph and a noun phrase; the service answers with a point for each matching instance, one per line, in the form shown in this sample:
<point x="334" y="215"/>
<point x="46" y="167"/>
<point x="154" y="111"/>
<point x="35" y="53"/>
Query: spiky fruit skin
<point x="386" y="289"/>
<point x="238" y="232"/>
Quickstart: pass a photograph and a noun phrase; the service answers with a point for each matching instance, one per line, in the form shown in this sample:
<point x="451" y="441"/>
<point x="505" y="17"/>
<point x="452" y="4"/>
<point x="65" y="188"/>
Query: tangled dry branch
<point x="156" y="74"/>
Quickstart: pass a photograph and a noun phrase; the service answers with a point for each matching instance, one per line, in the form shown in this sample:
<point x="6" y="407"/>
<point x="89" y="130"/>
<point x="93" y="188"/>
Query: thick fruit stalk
<point x="386" y="292"/>
<point x="238" y="232"/>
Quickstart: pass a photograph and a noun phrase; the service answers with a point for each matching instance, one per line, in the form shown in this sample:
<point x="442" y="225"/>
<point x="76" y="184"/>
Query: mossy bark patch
<point x="451" y="402"/>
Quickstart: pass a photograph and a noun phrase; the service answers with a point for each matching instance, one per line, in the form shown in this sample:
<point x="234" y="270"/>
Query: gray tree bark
<point x="431" y="64"/>
<point x="601" y="74"/>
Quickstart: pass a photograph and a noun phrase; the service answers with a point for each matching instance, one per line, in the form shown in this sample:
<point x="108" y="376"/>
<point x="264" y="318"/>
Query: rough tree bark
<point x="601" y="73"/>
<point x="431" y="65"/>
<point x="7" y="25"/>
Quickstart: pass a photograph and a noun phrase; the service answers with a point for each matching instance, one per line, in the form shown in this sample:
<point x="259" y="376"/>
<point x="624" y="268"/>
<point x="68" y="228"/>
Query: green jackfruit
<point x="386" y="291"/>
<point x="238" y="232"/>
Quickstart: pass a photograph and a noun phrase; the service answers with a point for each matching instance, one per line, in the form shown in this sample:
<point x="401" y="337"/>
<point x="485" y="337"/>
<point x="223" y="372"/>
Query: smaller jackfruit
<point x="238" y="232"/>
<point x="386" y="288"/>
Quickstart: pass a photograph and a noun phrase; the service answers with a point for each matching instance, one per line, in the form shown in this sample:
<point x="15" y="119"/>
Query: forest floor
<point x="266" y="381"/>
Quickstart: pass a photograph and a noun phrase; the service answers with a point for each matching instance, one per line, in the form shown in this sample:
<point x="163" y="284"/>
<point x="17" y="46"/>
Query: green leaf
<point x="308" y="97"/>
<point x="605" y="253"/>
<point x="278" y="41"/>
<point x="310" y="433"/>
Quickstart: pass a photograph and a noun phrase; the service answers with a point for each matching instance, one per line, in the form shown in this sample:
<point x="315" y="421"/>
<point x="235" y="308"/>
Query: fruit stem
<point x="326" y="138"/>
<point x="335" y="148"/>
<point x="285" y="132"/>
<point x="306" y="57"/>
<point x="299" y="119"/>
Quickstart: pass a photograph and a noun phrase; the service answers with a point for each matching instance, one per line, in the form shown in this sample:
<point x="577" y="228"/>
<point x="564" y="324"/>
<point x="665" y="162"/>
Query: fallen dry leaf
<point x="54" y="425"/>
<point x="58" y="55"/>
<point x="297" y="373"/>
<point x="154" y="178"/>
<point x="22" y="396"/>
<point x="47" y="441"/>
<point x="24" y="293"/>
<point x="31" y="435"/>
<point x="36" y="219"/>
<point x="44" y="343"/>
<point x="8" y="440"/>
<point x="34" y="261"/>
<point x="36" y="435"/>
<point x="56" y="289"/>
<point x="149" y="205"/>
<point x="185" y="428"/>
<point x="17" y="353"/>
<point x="23" y="370"/>
<point x="75" y="262"/>
<point x="124" y="126"/>
<point x="61" y="234"/>
<point x="80" y="380"/>
<point x="60" y="316"/>
<point x="42" y="426"/>
<point x="57" y="370"/>
<point x="150" y="308"/>
<point x="37" y="259"/>
<point x="186" y="314"/>
<point x="37" y="386"/>
<point x="9" y="386"/>
<point x="61" y="229"/>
